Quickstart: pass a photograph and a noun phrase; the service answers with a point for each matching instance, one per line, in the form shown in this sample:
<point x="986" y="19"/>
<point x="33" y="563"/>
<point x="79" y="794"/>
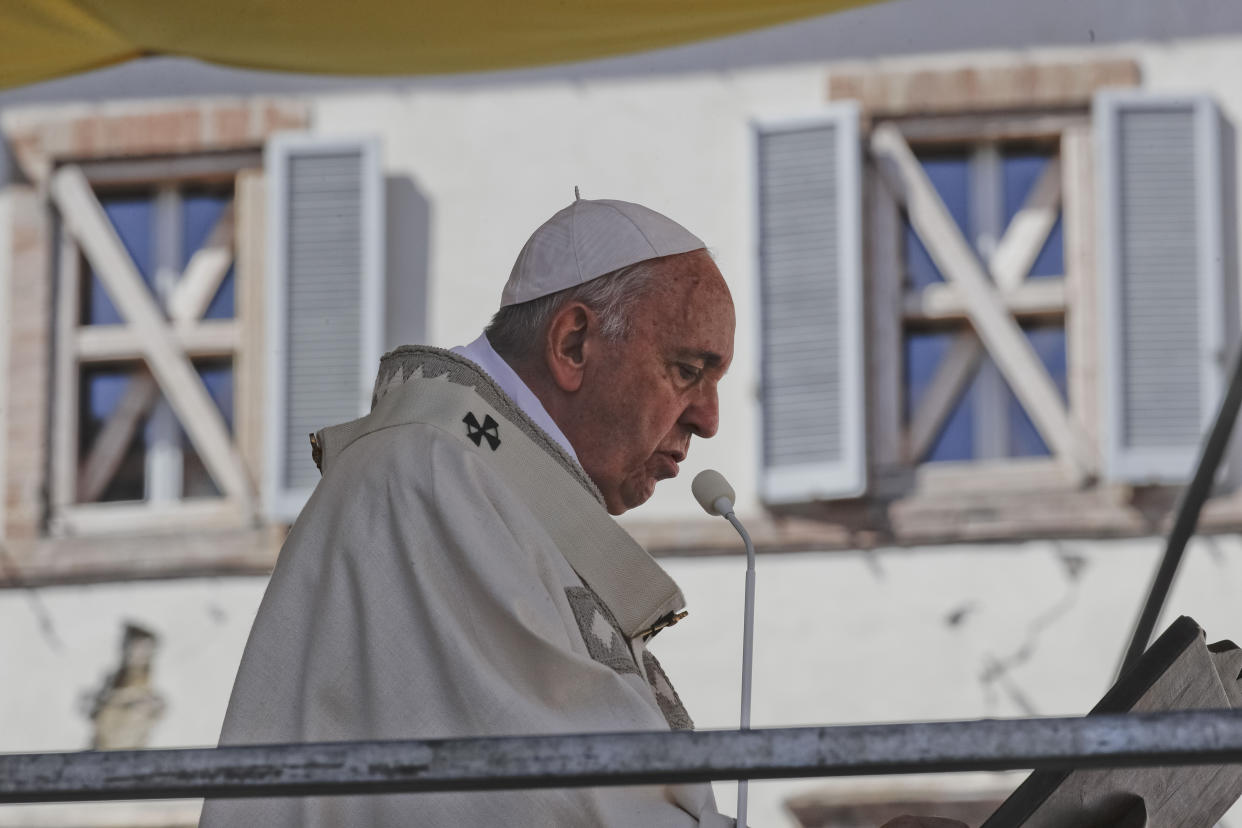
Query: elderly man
<point x="457" y="571"/>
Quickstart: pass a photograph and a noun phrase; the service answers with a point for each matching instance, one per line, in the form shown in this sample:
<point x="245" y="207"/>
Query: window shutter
<point x="1164" y="304"/>
<point x="810" y="271"/>
<point x="324" y="314"/>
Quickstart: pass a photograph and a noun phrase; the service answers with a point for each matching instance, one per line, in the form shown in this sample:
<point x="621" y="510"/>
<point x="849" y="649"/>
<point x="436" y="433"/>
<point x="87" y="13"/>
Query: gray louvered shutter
<point x="1164" y="304"/>
<point x="324" y="312"/>
<point x="810" y="270"/>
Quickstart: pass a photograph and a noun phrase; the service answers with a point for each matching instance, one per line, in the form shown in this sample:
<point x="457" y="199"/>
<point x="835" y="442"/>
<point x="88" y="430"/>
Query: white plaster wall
<point x="69" y="638"/>
<point x="840" y="638"/>
<point x="1208" y="65"/>
<point x="57" y="645"/>
<point x="870" y="637"/>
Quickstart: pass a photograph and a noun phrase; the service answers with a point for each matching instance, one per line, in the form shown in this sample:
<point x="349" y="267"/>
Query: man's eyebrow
<point x="709" y="358"/>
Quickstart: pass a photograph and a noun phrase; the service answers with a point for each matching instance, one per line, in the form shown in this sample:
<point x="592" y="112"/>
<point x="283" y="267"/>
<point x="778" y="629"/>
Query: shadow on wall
<point x="408" y="252"/>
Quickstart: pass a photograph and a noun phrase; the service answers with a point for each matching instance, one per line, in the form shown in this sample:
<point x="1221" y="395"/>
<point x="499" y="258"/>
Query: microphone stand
<point x="716" y="497"/>
<point x="748" y="639"/>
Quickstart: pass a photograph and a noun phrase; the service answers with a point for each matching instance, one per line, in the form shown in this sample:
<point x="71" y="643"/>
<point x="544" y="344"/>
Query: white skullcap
<point x="588" y="239"/>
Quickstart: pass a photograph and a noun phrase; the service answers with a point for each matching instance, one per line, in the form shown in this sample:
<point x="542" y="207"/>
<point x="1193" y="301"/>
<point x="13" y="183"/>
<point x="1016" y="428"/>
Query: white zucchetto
<point x="587" y="239"/>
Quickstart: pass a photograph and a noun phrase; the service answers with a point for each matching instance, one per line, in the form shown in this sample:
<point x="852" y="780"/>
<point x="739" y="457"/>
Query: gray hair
<point x="515" y="331"/>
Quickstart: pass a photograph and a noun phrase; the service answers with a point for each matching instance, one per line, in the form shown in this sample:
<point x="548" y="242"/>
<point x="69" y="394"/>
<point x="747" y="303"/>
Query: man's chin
<point x="632" y="496"/>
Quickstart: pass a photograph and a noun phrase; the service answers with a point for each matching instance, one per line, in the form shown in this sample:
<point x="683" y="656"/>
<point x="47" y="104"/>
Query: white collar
<point x="481" y="353"/>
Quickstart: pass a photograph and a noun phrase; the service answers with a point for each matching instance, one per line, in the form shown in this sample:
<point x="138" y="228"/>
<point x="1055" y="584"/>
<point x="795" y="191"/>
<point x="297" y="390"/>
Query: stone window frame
<point x="46" y="538"/>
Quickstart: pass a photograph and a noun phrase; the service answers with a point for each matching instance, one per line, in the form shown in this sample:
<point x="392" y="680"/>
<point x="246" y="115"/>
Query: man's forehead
<point x="692" y="268"/>
<point x="691" y="311"/>
<point x="691" y="286"/>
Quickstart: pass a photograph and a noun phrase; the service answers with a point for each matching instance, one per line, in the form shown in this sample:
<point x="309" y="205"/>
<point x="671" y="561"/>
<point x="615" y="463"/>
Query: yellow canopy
<point x="41" y="39"/>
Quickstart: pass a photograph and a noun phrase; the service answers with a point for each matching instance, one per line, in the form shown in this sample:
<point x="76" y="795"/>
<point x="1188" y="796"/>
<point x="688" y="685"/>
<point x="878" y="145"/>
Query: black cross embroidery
<point x="490" y="429"/>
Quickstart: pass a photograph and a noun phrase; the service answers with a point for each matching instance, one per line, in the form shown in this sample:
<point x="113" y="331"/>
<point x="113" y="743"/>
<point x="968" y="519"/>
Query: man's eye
<point x="689" y="373"/>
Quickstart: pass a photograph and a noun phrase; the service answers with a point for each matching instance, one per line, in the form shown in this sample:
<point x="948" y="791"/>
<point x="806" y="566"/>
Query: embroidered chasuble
<point x="456" y="574"/>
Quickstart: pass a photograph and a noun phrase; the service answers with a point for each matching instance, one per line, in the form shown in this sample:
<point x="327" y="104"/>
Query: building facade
<point x="986" y="299"/>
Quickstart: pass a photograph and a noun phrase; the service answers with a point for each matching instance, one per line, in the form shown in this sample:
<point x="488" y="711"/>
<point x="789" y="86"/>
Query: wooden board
<point x="1178" y="672"/>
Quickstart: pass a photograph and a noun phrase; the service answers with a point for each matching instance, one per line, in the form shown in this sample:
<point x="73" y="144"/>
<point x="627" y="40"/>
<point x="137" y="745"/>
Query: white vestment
<point x="456" y="574"/>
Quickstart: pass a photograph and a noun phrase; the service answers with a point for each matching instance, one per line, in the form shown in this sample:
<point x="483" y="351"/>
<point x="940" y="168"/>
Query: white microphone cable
<point x="716" y="497"/>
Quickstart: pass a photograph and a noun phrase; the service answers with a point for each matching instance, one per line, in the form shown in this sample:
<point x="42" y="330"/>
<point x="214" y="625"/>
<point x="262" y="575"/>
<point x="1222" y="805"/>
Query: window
<point x="958" y="404"/>
<point x="968" y="357"/>
<point x="989" y="369"/>
<point x="149" y="337"/>
<point x="186" y="382"/>
<point x="145" y="223"/>
<point x="1044" y="296"/>
<point x="162" y="228"/>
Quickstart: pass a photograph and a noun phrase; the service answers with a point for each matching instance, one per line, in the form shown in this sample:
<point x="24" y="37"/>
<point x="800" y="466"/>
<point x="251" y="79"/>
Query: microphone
<point x="716" y="497"/>
<point x="710" y="489"/>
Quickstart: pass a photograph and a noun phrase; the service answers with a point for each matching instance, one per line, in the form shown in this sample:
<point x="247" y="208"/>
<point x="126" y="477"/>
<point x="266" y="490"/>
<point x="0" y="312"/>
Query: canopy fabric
<point x="42" y="39"/>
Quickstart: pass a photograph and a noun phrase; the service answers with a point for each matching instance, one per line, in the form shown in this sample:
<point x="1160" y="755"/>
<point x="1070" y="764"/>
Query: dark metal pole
<point x="1188" y="508"/>
<point x="1153" y="739"/>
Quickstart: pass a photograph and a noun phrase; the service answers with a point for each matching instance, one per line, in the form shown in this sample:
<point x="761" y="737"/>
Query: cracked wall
<point x="85" y="674"/>
<point x="953" y="632"/>
<point x="886" y="635"/>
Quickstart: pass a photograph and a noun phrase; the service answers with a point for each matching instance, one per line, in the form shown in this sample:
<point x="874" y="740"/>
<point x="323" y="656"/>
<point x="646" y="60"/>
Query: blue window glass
<point x="201" y="210"/>
<point x="987" y="419"/>
<point x="101" y="392"/>
<point x="1049" y="344"/>
<point x="131" y="215"/>
<point x="956" y="440"/>
<point x="1020" y="172"/>
<point x="923" y="355"/>
<point x="949" y="174"/>
<point x="218" y="377"/>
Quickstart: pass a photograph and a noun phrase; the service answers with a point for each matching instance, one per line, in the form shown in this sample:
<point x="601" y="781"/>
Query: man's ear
<point x="565" y="345"/>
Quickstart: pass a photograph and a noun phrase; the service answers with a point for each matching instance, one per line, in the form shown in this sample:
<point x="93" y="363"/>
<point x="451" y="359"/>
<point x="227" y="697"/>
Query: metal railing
<point x="333" y="768"/>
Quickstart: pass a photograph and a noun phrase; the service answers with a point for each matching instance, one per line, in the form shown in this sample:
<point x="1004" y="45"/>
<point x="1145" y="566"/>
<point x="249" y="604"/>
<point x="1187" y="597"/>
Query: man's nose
<point x="702" y="415"/>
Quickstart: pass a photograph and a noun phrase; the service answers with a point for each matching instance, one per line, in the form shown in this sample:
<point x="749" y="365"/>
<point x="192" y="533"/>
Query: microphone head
<point x="709" y="486"/>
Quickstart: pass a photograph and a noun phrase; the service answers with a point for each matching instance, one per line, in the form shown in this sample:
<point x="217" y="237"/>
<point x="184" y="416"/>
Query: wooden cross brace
<point x="983" y="301"/>
<point x="170" y="366"/>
